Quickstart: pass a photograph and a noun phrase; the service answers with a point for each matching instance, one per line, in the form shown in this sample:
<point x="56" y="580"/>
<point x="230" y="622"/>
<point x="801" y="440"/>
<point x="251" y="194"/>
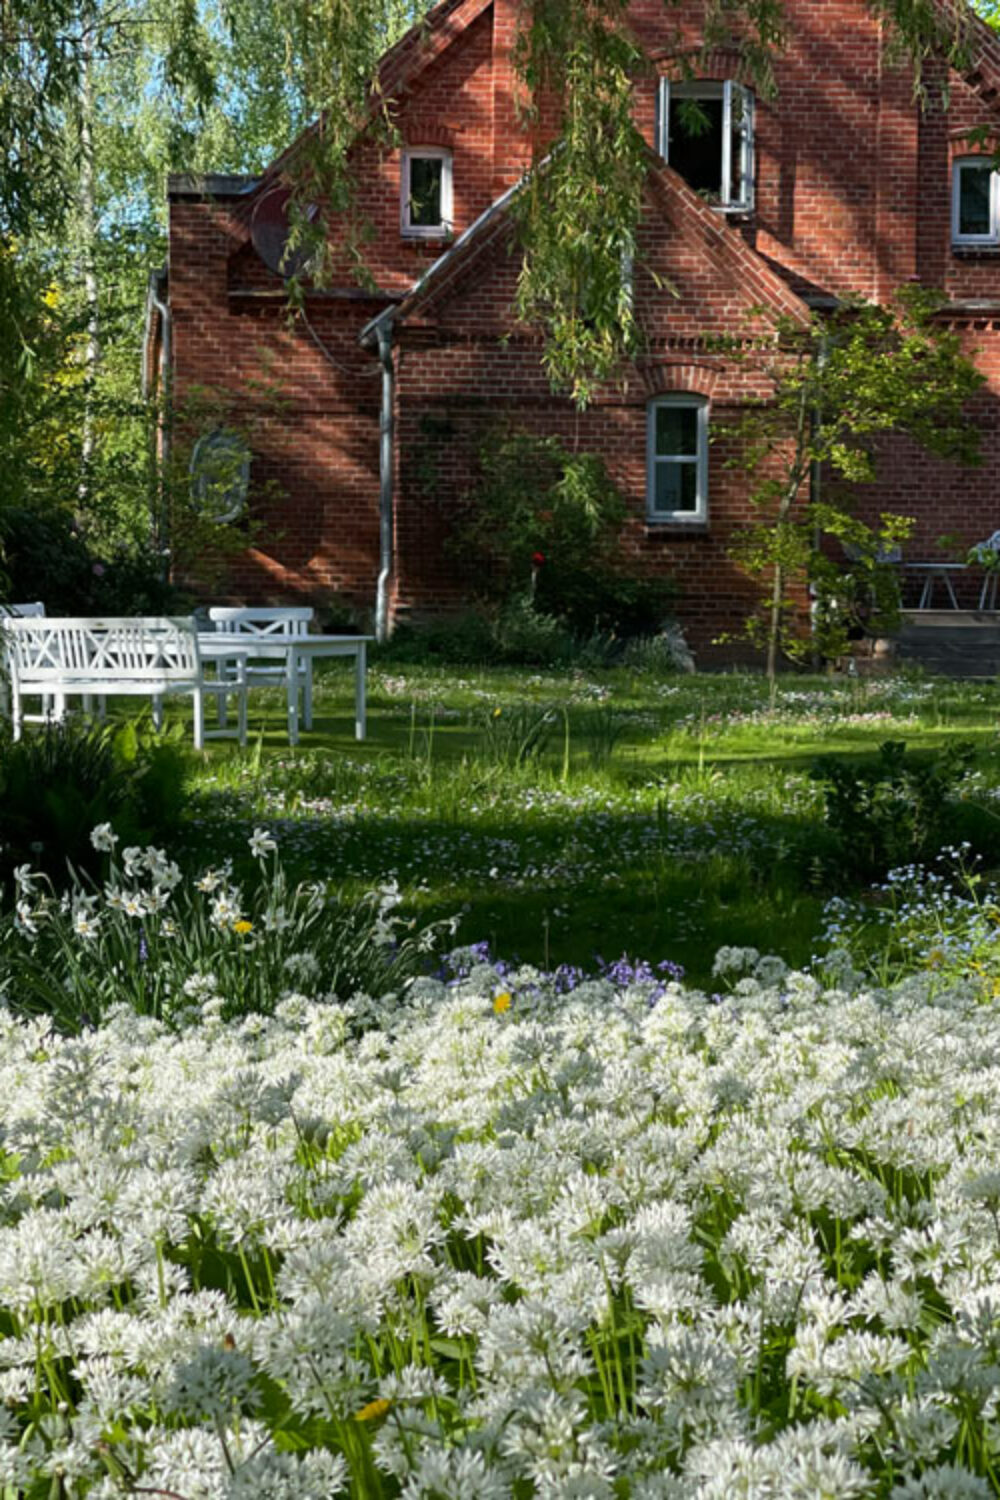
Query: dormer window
<point x="425" y="188"/>
<point x="975" y="202"/>
<point x="705" y="132"/>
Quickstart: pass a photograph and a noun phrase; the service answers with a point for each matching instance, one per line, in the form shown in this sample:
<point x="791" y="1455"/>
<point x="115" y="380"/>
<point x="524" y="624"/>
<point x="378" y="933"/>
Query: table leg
<point x="292" y="678"/>
<point x="360" y="706"/>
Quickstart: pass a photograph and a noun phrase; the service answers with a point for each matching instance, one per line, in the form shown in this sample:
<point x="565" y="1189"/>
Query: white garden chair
<point x="270" y="624"/>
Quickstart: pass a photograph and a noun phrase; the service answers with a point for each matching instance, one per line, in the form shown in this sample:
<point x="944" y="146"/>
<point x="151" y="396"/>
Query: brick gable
<point x="852" y="198"/>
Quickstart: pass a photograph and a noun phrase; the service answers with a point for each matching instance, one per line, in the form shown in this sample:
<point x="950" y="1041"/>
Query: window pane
<point x="425" y="191"/>
<point x="676" y="431"/>
<point x="676" y="487"/>
<point x="740" y="123"/>
<point x="974" y="200"/>
<point x="696" y="143"/>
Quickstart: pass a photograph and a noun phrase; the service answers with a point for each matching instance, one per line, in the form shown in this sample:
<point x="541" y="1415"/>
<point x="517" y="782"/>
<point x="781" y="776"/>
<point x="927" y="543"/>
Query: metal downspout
<point x="385" y="499"/>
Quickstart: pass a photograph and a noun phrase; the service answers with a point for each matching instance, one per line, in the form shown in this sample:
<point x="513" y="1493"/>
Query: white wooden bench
<point x="270" y="625"/>
<point x="34" y="610"/>
<point x="154" y="657"/>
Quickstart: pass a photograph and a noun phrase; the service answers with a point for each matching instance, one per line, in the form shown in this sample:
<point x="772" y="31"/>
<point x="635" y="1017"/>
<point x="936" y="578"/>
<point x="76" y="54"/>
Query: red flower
<point x="537" y="558"/>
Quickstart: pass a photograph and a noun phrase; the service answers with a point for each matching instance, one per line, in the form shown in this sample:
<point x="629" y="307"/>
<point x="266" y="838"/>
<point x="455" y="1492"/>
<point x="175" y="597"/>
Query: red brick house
<point x="364" y="418"/>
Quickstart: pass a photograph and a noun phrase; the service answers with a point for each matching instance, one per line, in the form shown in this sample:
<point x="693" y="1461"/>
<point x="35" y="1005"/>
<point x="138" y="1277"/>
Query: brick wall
<point x="853" y="195"/>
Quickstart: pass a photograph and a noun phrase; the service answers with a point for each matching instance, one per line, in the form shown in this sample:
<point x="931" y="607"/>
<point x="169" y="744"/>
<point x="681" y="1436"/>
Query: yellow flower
<point x="242" y="927"/>
<point x="496" y="713"/>
<point x="935" y="958"/>
<point x="502" y="1002"/>
<point x="372" y="1411"/>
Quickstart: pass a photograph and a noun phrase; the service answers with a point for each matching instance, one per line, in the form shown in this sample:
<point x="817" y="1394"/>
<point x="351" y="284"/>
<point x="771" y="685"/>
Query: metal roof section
<point x="210" y="185"/>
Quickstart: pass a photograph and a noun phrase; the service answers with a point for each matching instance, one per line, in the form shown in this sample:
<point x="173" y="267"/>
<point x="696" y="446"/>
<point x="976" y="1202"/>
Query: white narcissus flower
<point x="261" y="843"/>
<point x="103" y="838"/>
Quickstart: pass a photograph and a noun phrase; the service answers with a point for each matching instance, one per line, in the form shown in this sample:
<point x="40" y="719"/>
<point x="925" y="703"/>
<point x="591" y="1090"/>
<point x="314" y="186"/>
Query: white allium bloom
<point x="944" y="1482"/>
<point x="212" y="1385"/>
<point x="542" y="1249"/>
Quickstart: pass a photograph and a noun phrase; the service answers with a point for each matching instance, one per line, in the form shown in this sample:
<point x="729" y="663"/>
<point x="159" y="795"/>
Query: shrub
<point x="894" y="811"/>
<point x="45" y="556"/>
<point x="58" y="784"/>
<point x="543" y="524"/>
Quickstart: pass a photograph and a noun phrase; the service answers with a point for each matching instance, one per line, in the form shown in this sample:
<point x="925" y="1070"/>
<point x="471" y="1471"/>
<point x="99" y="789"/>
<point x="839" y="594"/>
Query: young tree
<point x="839" y="388"/>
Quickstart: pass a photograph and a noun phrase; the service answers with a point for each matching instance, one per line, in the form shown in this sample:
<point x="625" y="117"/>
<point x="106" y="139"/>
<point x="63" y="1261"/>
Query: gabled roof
<point x="425" y="41"/>
<point x="406" y="59"/>
<point x="982" y="72"/>
<point x="470" y="243"/>
<point x="721" y="242"/>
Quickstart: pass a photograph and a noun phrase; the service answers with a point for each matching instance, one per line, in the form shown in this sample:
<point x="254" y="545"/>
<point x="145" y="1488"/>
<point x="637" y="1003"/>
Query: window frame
<point x="729" y="91"/>
<point x="978" y="163"/>
<point x="698" y="516"/>
<point x="425" y="153"/>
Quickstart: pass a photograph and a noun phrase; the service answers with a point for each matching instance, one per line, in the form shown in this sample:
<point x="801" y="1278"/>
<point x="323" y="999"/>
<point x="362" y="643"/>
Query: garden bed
<point x="483" y="1239"/>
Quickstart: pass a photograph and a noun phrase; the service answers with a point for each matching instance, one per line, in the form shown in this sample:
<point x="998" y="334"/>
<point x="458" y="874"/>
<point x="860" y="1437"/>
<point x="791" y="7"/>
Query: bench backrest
<point x="247" y="620"/>
<point x="60" y="649"/>
<point x="22" y="611"/>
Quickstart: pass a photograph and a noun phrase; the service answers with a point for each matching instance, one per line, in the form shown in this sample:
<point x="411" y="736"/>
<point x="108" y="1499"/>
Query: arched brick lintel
<point x="420" y="130"/>
<point x="696" y="379"/>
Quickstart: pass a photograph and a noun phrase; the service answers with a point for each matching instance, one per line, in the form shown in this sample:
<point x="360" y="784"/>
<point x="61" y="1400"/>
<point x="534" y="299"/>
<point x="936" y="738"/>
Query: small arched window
<point x="677" y="459"/>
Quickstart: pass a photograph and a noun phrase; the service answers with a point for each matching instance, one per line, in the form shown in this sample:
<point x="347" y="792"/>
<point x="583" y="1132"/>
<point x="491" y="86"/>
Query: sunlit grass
<point x="574" y="814"/>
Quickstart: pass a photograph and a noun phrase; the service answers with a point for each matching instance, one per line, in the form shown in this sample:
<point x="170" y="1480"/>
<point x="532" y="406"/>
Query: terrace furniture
<point x="933" y="573"/>
<point x="296" y="653"/>
<point x="987" y="554"/>
<point x="33" y="611"/>
<point x="154" y="657"/>
<point x="264" y="624"/>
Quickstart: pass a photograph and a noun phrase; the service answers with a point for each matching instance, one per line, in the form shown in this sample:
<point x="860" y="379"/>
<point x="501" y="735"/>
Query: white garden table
<point x="294" y="651"/>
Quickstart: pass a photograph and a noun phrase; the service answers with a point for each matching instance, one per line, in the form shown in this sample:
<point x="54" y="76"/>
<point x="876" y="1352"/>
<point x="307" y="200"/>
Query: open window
<point x="425" y="192"/>
<point x="705" y="132"/>
<point x="975" y="202"/>
<point x="677" y="459"/>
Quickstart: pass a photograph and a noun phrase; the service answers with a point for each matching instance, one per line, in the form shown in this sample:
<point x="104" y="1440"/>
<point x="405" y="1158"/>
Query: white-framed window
<point x="425" y="191"/>
<point x="975" y="202"/>
<point x="677" y="459"/>
<point x="705" y="131"/>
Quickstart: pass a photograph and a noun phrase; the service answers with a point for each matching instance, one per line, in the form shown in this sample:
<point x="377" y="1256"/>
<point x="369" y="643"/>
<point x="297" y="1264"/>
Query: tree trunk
<point x="88" y="239"/>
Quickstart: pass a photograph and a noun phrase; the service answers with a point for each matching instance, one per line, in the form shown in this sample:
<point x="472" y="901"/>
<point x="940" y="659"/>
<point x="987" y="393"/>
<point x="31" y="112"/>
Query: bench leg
<point x="199" y="719"/>
<point x="307" y="692"/>
<point x="292" y="682"/>
<point x="360" y="706"/>
<point x="157" y="712"/>
<point x="222" y="672"/>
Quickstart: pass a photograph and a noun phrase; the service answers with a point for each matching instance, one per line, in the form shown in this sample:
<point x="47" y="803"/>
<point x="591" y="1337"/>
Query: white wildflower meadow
<point x="486" y="1240"/>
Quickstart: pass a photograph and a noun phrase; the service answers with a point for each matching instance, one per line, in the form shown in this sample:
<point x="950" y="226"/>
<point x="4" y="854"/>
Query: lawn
<point x="563" y="816"/>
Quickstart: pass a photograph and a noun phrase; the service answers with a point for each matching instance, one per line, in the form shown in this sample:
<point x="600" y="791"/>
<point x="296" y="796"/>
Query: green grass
<point x="568" y="815"/>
